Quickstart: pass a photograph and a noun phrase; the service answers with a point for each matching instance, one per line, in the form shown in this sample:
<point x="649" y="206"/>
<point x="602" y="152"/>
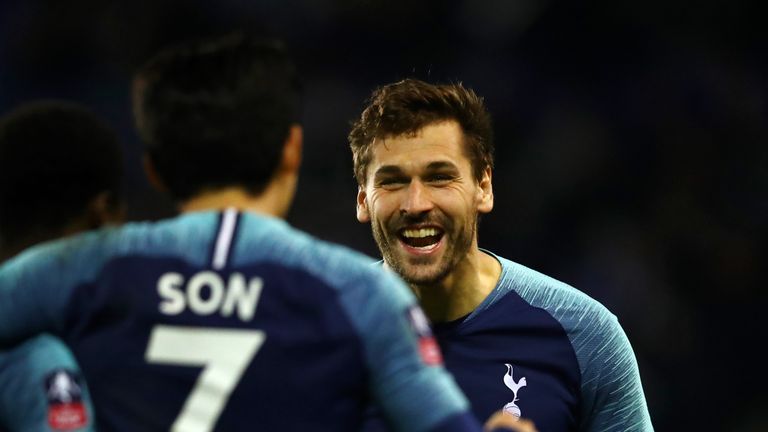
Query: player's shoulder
<point x="274" y="240"/>
<point x="567" y="304"/>
<point x="85" y="253"/>
<point x="593" y="331"/>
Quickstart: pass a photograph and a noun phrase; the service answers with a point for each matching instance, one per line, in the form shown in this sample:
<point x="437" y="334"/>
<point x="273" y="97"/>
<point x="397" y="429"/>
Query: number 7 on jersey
<point x="224" y="355"/>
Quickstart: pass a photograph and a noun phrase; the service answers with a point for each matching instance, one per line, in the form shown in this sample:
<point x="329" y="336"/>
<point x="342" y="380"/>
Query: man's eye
<point x="392" y="182"/>
<point x="440" y="178"/>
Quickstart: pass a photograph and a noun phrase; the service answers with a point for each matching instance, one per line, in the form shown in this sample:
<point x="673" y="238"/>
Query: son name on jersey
<point x="207" y="292"/>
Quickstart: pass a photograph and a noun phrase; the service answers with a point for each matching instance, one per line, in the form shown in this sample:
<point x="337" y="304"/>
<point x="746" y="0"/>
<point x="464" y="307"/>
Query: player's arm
<point x="619" y="400"/>
<point x="33" y="294"/>
<point x="41" y="389"/>
<point x="408" y="382"/>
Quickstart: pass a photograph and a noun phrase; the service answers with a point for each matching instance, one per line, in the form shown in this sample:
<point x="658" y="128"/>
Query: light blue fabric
<point x="23" y="370"/>
<point x="611" y="390"/>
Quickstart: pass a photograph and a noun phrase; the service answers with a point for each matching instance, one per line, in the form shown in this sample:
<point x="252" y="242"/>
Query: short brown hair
<point x="407" y="106"/>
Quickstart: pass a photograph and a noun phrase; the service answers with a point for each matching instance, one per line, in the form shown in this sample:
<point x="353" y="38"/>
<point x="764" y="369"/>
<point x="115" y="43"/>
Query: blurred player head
<point x="423" y="156"/>
<point x="221" y="115"/>
<point x="60" y="173"/>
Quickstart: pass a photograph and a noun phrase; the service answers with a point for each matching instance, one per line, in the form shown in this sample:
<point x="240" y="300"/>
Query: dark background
<point x="631" y="139"/>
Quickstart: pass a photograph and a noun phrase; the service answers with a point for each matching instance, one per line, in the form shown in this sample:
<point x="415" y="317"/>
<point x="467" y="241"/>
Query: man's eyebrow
<point x="394" y="170"/>
<point x="388" y="170"/>
<point x="439" y="165"/>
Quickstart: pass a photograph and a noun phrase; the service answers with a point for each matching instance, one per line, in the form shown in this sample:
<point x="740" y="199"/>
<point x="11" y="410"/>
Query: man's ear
<point x="291" y="160"/>
<point x="485" y="192"/>
<point x="362" y="206"/>
<point x="105" y="209"/>
<point x="151" y="172"/>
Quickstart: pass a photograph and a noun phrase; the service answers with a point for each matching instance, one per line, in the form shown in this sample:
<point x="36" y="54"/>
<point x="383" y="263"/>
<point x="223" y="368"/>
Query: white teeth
<point x="419" y="233"/>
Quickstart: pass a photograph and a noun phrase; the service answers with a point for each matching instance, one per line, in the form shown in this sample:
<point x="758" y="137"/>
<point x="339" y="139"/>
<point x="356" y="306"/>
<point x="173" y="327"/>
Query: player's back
<point x="227" y="319"/>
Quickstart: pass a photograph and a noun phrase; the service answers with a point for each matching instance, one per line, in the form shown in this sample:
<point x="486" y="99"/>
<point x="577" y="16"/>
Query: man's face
<point x="422" y="201"/>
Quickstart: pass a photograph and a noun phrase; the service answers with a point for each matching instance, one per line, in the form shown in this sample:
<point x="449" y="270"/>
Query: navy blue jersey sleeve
<point x="408" y="381"/>
<point x="41" y="389"/>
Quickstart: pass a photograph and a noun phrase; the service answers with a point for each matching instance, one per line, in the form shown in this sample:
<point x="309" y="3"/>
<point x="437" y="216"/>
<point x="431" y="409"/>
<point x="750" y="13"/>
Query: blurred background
<point x="631" y="147"/>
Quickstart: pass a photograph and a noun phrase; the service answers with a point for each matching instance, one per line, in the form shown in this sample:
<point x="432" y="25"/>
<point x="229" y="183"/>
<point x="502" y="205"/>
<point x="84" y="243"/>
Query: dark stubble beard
<point x="458" y="243"/>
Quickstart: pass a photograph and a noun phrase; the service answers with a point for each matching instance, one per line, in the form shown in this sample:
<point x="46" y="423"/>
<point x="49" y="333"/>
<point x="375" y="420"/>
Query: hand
<point x="501" y="421"/>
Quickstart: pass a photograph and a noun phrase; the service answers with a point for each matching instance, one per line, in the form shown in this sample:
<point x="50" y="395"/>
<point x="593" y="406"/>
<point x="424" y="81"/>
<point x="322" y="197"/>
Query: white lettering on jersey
<point x="236" y="295"/>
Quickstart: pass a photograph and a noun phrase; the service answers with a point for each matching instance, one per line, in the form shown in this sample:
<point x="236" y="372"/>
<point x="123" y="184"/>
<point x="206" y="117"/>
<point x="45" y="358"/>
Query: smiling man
<point x="514" y="338"/>
<point x="423" y="201"/>
<point x="226" y="318"/>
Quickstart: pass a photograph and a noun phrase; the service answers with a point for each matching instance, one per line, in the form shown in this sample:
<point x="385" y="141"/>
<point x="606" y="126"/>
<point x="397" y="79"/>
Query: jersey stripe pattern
<point x="573" y="343"/>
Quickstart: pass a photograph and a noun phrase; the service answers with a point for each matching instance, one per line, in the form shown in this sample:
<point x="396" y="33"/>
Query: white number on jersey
<point x="224" y="355"/>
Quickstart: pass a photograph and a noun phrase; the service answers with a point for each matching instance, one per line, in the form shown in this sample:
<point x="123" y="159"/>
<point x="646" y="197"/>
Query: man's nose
<point x="417" y="199"/>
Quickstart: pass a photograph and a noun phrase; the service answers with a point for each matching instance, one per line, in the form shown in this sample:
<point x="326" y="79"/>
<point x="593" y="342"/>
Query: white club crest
<point x="509" y="381"/>
<point x="63" y="388"/>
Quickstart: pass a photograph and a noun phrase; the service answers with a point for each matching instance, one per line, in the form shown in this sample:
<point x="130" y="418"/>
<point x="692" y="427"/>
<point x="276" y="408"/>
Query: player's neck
<point x="273" y="201"/>
<point x="462" y="290"/>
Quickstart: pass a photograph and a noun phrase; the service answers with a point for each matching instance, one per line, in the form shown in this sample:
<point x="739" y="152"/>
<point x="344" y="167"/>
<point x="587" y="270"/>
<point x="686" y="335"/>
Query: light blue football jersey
<point x="231" y="321"/>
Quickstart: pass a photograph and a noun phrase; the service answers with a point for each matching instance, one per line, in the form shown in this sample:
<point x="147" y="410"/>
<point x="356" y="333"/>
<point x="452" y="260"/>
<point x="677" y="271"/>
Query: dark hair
<point x="55" y="157"/>
<point x="216" y="113"/>
<point x="407" y="106"/>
